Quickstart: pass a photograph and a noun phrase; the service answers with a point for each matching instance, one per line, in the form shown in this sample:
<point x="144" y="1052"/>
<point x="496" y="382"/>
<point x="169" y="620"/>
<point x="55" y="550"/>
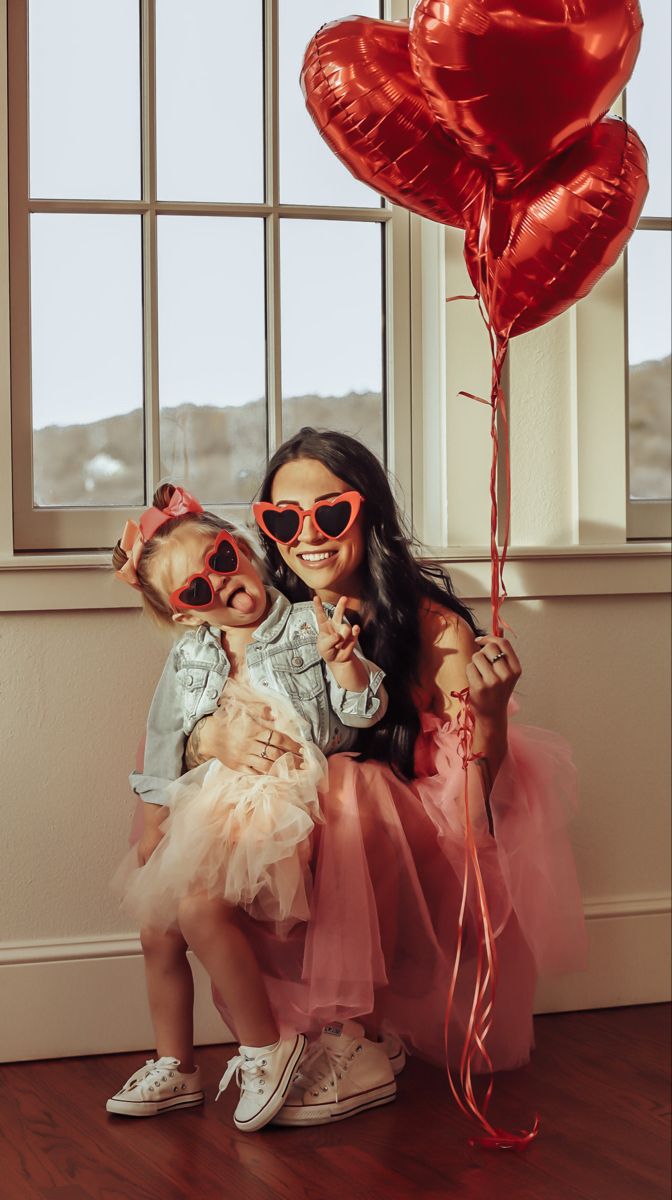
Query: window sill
<point x="537" y="572"/>
<point x="59" y="582"/>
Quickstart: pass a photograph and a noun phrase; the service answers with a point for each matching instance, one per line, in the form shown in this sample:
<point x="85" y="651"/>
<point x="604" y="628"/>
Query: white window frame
<point x="645" y="518"/>
<point x="587" y="346"/>
<point x="434" y="350"/>
<point x="86" y="528"/>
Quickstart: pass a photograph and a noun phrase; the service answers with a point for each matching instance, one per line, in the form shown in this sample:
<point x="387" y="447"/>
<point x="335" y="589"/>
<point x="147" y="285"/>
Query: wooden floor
<point x="599" y="1080"/>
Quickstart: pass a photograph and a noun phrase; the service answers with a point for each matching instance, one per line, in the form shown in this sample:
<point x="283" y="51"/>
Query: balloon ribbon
<point x="497" y="405"/>
<point x="480" y="1016"/>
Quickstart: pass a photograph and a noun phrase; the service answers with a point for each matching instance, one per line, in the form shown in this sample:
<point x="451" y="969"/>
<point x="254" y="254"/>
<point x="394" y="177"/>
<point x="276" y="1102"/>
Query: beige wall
<point x="77" y="686"/>
<point x="75" y="689"/>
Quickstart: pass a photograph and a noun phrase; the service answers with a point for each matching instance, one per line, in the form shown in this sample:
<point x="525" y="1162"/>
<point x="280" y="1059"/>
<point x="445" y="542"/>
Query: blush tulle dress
<point x="240" y="837"/>
<point x="387" y="867"/>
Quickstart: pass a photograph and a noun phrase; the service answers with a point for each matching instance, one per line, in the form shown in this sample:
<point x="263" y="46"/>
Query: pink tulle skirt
<point x="238" y="837"/>
<point x="388" y="867"/>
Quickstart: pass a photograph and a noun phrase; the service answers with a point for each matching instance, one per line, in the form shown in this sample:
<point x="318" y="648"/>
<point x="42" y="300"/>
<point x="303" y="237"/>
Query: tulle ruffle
<point x="388" y="868"/>
<point x="241" y="837"/>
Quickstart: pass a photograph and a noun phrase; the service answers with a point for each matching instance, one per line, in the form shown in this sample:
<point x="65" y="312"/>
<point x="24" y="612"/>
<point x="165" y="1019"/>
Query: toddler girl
<point x="217" y="840"/>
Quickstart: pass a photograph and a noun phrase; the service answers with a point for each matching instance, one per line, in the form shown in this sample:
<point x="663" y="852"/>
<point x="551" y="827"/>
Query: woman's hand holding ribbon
<point x="492" y="675"/>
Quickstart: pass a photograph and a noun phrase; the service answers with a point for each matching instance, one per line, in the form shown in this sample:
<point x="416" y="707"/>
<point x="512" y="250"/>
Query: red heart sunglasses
<point x="197" y="592"/>
<point x="333" y="518"/>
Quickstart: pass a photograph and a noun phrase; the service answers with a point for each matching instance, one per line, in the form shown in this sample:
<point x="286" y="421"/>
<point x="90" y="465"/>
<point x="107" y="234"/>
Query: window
<point x="193" y="274"/>
<point x="649" y="287"/>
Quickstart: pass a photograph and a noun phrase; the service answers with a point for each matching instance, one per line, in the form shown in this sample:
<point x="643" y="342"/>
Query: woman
<point x="389" y="861"/>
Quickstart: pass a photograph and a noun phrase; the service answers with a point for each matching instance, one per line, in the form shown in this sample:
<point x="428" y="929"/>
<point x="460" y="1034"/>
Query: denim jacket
<point x="283" y="658"/>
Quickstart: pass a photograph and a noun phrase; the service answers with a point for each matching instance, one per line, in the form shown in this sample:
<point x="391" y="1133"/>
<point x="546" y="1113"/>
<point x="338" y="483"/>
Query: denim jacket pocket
<point x="201" y="688"/>
<point x="298" y="670"/>
<point x="193" y="676"/>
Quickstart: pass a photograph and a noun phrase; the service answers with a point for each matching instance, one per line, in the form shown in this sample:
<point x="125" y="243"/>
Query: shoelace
<point x="247" y="1072"/>
<point x="311" y="1067"/>
<point x="155" y="1074"/>
<point x="337" y="1064"/>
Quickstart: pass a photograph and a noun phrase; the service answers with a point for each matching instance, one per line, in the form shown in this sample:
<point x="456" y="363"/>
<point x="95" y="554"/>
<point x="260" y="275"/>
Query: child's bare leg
<point x="170" y="988"/>
<point x="210" y="928"/>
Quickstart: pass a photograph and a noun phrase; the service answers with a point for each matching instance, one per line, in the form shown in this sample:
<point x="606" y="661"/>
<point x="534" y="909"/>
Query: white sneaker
<point x="345" y="1074"/>
<point x="314" y="1063"/>
<point x="265" y="1076"/>
<point x="394" y="1049"/>
<point x="156" y="1088"/>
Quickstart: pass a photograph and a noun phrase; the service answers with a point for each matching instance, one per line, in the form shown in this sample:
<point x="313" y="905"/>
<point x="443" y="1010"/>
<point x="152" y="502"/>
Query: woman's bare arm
<point x="453" y="658"/>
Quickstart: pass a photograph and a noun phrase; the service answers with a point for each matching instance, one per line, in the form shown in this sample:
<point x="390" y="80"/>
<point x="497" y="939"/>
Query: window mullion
<point x="115" y="207"/>
<point x="152" y="411"/>
<point x="321" y="212"/>
<point x="272" y="197"/>
<point x="655" y="223"/>
<point x="20" y="314"/>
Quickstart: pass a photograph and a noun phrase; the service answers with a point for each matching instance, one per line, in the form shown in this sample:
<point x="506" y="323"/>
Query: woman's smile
<point x="333" y="567"/>
<point x="316" y="557"/>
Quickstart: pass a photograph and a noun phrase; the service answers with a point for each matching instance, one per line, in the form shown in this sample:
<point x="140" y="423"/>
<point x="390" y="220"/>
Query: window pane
<point x="212" y="372"/>
<point x="87" y="385"/>
<point x="650" y="385"/>
<point x="648" y="104"/>
<point x="209" y="101"/>
<point x="309" y="172"/>
<point x="332" y="328"/>
<point x="84" y="99"/>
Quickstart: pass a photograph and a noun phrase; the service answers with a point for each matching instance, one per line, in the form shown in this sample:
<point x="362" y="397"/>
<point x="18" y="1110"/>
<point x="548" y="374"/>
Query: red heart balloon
<point x="546" y="245"/>
<point x="516" y="81"/>
<point x="366" y="102"/>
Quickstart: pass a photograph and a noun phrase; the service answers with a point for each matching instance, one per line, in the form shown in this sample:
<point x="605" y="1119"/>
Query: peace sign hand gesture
<point x="336" y="640"/>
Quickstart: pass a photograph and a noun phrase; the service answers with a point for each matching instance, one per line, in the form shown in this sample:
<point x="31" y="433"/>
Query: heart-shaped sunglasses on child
<point x="197" y="592"/>
<point x="332" y="518"/>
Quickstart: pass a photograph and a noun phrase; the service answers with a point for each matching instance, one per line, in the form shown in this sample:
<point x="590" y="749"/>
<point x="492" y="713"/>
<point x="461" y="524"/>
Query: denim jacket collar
<point x="271" y="627"/>
<point x="278" y="615"/>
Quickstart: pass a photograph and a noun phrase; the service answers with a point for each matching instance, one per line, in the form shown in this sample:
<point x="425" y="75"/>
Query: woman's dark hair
<point x="394" y="583"/>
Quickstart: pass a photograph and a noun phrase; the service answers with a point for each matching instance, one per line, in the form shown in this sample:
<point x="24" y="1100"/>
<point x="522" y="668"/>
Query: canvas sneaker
<point x="394" y="1049"/>
<point x="345" y="1073"/>
<point x="265" y="1076"/>
<point x="314" y="1063"/>
<point x="157" y="1087"/>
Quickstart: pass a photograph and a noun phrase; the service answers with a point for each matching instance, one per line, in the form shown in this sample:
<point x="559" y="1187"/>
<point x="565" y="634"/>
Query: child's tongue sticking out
<point x="241" y="601"/>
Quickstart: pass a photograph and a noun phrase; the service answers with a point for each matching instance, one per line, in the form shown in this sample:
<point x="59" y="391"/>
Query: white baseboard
<point x="628" y="958"/>
<point x="60" y="999"/>
<point x="87" y="996"/>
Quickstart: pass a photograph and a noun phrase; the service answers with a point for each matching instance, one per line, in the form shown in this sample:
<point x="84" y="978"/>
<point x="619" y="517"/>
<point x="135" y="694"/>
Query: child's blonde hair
<point x="154" y="602"/>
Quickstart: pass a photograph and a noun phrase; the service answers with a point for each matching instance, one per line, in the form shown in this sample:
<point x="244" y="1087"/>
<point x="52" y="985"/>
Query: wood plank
<point x="57" y="1137"/>
<point x="599" y="1080"/>
<point x="67" y="1192"/>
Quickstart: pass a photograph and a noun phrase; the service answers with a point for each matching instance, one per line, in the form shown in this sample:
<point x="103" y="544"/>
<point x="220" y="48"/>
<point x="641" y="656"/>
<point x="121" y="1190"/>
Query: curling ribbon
<point x="480" y="1017"/>
<point x="497" y="404"/>
<point x="498" y="349"/>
